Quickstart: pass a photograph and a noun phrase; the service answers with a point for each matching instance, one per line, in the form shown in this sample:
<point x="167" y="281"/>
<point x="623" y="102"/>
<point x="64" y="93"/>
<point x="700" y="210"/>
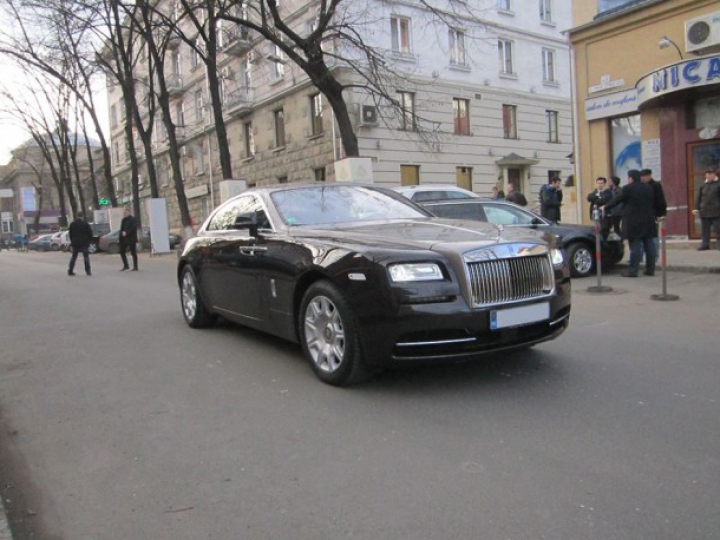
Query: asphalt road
<point x="117" y="421"/>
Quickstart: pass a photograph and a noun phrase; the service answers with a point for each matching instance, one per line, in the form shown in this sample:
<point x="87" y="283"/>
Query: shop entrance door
<point x="700" y="157"/>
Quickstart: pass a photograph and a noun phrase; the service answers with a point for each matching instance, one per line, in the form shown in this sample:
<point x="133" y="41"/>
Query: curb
<point x="4" y="527"/>
<point x="677" y="268"/>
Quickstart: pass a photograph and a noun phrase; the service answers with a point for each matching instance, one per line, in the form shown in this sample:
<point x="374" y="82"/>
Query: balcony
<point x="238" y="40"/>
<point x="174" y="84"/>
<point x="173" y="42"/>
<point x="239" y="101"/>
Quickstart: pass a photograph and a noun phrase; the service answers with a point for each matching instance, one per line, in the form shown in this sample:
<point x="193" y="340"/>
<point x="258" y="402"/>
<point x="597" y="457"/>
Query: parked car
<point x="42" y="242"/>
<point x="577" y="240"/>
<point x="56" y="240"/>
<point x="111" y="241"/>
<point x="363" y="278"/>
<point x="434" y="192"/>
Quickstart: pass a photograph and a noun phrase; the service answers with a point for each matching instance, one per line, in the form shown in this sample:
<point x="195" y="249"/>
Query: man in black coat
<point x="638" y="222"/>
<point x="659" y="203"/>
<point x="128" y="239"/>
<point x="80" y="234"/>
<point x="551" y="199"/>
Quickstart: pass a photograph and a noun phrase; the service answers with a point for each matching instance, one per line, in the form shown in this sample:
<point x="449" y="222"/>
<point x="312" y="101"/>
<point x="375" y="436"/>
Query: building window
<point x="457" y="48"/>
<point x="282" y="179"/>
<point x="400" y="30"/>
<point x="195" y="58"/>
<point x="249" y="140"/>
<point x="546" y="10"/>
<point x="176" y="62"/>
<point x="504" y="5"/>
<point x="320" y="174"/>
<point x="180" y="115"/>
<point x="461" y="111"/>
<point x="505" y="56"/>
<point x="316" y="109"/>
<point x="199" y="106"/>
<point x="551" y="118"/>
<point x="113" y="115"/>
<point x="407" y="115"/>
<point x="278" y="63"/>
<point x="548" y="62"/>
<point x="279" y="128"/>
<point x="510" y="121"/>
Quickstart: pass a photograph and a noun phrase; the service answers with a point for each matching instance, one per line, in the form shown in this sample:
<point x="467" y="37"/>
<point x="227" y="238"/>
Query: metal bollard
<point x="663" y="266"/>
<point x="599" y="288"/>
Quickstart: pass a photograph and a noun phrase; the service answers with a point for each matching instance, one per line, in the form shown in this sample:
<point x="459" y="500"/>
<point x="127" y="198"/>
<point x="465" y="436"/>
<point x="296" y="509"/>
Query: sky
<point x="12" y="133"/>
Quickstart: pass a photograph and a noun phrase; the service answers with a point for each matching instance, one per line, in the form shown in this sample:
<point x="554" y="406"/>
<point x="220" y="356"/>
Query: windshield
<point x="324" y="205"/>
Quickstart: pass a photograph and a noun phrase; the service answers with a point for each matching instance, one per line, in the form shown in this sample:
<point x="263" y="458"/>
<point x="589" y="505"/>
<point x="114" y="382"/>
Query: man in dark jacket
<point x="551" y="200"/>
<point x="514" y="196"/>
<point x="659" y="203"/>
<point x="599" y="198"/>
<point x="80" y="235"/>
<point x="638" y="223"/>
<point x="707" y="206"/>
<point x="128" y="239"/>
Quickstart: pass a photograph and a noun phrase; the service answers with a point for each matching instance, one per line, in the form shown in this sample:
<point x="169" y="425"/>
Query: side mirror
<point x="247" y="221"/>
<point x="536" y="221"/>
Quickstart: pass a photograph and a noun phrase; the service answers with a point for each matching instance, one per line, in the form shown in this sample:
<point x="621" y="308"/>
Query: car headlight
<point x="556" y="256"/>
<point x="405" y="272"/>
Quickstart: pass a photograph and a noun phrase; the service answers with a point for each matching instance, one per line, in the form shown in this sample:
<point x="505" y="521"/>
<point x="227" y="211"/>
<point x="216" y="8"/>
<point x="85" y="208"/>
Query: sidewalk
<point x="683" y="256"/>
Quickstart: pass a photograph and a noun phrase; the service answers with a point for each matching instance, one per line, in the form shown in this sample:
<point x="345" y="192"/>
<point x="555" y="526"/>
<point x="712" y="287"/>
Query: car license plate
<point x="507" y="318"/>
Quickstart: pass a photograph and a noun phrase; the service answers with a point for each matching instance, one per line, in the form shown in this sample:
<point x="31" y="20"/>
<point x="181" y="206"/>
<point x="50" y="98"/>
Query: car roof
<point x="433" y="187"/>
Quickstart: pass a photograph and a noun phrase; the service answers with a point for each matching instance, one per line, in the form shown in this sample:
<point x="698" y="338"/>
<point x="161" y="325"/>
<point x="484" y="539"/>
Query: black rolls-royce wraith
<point x="362" y="278"/>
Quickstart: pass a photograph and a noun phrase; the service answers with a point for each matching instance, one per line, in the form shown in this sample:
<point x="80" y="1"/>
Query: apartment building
<point x="494" y="86"/>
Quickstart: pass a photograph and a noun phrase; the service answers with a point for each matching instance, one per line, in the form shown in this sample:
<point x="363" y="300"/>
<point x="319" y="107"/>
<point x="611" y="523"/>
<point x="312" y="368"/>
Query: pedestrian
<point x="551" y="199"/>
<point x="80" y="235"/>
<point x="515" y="196"/>
<point x="599" y="198"/>
<point x="496" y="194"/>
<point x="659" y="203"/>
<point x="128" y="239"/>
<point x="707" y="206"/>
<point x="638" y="224"/>
<point x="24" y="241"/>
<point x="614" y="215"/>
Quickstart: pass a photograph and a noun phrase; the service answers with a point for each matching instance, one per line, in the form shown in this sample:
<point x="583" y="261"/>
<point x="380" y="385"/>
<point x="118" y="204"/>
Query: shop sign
<point x="680" y="76"/>
<point x="606" y="84"/>
<point x="615" y="104"/>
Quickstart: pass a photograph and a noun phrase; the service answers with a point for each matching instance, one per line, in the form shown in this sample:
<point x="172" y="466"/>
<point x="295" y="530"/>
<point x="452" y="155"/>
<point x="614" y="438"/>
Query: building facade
<point x="496" y="90"/>
<point x="647" y="95"/>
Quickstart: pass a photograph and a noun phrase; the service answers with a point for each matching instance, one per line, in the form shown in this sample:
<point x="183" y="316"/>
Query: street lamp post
<point x="666" y="42"/>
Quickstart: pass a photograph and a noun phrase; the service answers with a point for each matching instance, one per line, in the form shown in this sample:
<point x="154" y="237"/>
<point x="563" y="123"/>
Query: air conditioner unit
<point x="368" y="115"/>
<point x="702" y="32"/>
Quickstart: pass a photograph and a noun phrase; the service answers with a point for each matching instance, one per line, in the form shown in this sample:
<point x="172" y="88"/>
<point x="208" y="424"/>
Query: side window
<point x="506" y="215"/>
<point x="224" y="218"/>
<point x="458" y="211"/>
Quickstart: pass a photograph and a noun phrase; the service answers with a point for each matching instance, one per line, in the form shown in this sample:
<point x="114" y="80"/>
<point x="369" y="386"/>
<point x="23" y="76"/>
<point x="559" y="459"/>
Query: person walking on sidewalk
<point x="128" y="239"/>
<point x="638" y="222"/>
<point x="707" y="206"/>
<point x="81" y="235"/>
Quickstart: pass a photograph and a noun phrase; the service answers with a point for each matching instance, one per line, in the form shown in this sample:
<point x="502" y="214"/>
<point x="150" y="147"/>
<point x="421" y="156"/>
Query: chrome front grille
<point x="510" y="280"/>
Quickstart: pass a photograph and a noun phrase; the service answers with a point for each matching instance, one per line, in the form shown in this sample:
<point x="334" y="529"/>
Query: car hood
<point x="434" y="234"/>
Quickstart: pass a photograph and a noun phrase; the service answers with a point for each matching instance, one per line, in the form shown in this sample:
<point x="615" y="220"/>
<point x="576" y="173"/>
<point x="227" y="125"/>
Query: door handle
<point x="250" y="250"/>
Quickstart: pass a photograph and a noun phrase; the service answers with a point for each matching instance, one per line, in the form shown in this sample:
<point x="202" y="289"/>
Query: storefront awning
<point x="513" y="159"/>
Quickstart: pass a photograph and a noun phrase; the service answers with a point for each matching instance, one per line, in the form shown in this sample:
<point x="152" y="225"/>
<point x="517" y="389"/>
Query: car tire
<point x="193" y="308"/>
<point x="93" y="248"/>
<point x="329" y="337"/>
<point x="114" y="249"/>
<point x="55" y="247"/>
<point x="582" y="259"/>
